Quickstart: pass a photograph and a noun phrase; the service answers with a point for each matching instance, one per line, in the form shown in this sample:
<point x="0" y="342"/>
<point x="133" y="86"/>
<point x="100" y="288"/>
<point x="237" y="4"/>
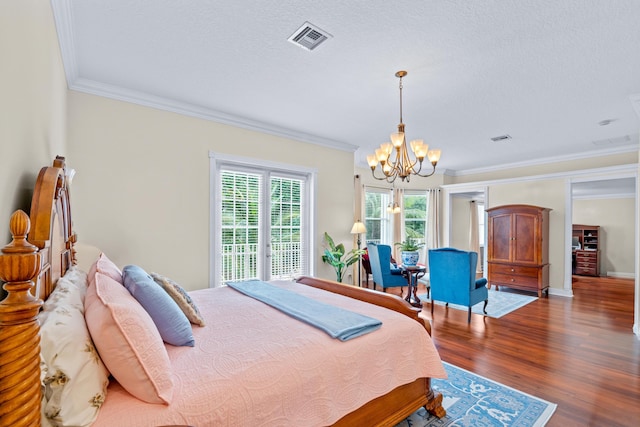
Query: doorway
<point x="458" y="206"/>
<point x="261" y="218"/>
<point x="609" y="202"/>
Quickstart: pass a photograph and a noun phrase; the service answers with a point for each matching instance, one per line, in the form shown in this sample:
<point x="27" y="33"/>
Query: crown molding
<point x="584" y="175"/>
<point x="629" y="195"/>
<point x="555" y="159"/>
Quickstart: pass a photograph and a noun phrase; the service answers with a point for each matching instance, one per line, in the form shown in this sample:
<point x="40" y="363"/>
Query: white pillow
<point x="74" y="378"/>
<point x="70" y="291"/>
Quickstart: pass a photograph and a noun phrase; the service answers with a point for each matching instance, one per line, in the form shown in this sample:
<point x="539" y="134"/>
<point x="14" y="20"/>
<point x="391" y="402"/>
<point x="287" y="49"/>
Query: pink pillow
<point x="128" y="341"/>
<point x="105" y="266"/>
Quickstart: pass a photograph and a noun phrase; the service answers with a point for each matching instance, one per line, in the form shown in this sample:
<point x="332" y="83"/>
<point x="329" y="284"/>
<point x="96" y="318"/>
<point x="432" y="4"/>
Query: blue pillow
<point x="172" y="323"/>
<point x="395" y="270"/>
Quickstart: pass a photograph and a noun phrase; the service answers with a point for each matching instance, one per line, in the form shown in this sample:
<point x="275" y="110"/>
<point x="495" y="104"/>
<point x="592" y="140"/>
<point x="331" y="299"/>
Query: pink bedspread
<point x="254" y="366"/>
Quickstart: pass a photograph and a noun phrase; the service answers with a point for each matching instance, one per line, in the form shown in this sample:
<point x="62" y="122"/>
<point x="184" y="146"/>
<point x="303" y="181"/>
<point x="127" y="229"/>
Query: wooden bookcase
<point x="587" y="256"/>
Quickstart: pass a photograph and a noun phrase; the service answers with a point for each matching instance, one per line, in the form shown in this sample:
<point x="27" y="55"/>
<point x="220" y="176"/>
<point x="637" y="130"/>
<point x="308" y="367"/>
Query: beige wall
<point x="461" y="217"/>
<point x="616" y="218"/>
<point x="141" y="193"/>
<point x="33" y="102"/>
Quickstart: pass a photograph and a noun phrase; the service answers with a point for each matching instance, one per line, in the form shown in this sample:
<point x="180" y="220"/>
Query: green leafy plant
<point x="409" y="245"/>
<point x="338" y="258"/>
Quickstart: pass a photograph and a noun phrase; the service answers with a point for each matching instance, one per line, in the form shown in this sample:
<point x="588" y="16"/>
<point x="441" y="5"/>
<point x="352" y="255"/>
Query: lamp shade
<point x="358" y="228"/>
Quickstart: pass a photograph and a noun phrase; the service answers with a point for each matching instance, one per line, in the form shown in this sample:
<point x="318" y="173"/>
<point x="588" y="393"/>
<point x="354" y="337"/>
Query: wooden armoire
<point x="518" y="247"/>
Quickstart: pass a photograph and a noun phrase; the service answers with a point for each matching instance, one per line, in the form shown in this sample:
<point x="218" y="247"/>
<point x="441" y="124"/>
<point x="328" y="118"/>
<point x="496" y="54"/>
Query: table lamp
<point x="359" y="228"/>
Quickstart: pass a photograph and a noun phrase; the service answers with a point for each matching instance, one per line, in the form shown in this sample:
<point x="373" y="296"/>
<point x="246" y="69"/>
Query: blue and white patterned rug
<point x="472" y="400"/>
<point x="500" y="303"/>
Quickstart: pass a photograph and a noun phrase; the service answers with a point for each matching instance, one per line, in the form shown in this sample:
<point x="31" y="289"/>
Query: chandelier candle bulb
<point x="415" y="145"/>
<point x="422" y="152"/>
<point x="434" y="156"/>
<point x="396" y="139"/>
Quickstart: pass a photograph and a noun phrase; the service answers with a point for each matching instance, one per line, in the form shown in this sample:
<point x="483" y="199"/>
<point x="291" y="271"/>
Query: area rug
<point x="472" y="400"/>
<point x="500" y="303"/>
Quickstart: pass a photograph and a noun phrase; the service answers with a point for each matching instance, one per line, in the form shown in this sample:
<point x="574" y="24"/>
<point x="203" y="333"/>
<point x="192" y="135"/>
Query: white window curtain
<point x="474" y="234"/>
<point x="399" y="232"/>
<point x="358" y="215"/>
<point x="358" y="208"/>
<point x="433" y="237"/>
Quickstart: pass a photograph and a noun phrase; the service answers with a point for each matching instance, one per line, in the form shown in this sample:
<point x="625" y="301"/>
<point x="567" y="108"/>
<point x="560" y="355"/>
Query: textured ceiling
<point x="546" y="72"/>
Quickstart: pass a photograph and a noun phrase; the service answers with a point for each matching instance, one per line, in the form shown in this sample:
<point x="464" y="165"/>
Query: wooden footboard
<point x="395" y="406"/>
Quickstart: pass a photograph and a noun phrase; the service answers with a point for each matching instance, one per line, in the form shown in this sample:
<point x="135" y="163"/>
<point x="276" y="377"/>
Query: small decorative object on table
<point x="410" y="251"/>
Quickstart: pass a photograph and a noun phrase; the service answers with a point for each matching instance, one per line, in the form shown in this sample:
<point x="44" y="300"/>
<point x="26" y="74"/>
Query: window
<point x="240" y="217"/>
<point x="377" y="219"/>
<point x="261" y="220"/>
<point x="415" y="216"/>
<point x="286" y="227"/>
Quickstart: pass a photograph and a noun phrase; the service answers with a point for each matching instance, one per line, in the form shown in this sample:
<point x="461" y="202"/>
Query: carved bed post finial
<point x="20" y="394"/>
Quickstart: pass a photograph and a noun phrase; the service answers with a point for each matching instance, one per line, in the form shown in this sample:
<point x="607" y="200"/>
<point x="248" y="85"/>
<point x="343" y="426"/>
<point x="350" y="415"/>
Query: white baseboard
<point x="348" y="278"/>
<point x="561" y="292"/>
<point x="621" y="275"/>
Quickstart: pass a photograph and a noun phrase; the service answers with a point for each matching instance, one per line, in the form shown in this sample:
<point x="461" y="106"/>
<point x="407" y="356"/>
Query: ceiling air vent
<point x="309" y="36"/>
<point x="501" y="138"/>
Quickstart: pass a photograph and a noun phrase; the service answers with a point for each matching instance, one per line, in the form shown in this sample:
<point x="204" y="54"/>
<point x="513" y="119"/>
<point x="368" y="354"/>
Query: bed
<point x="360" y="388"/>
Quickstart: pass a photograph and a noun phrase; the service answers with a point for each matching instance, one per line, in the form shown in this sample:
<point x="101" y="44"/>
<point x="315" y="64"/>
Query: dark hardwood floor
<point x="580" y="353"/>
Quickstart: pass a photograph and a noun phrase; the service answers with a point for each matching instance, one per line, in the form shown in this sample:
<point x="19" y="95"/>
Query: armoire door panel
<point x="525" y="246"/>
<point x="500" y="248"/>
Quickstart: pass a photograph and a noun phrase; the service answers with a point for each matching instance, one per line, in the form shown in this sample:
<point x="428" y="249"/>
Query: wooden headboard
<point x="40" y="253"/>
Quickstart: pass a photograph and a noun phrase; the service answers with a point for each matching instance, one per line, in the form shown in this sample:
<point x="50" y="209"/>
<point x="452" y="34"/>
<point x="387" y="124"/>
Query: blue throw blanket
<point x="335" y="321"/>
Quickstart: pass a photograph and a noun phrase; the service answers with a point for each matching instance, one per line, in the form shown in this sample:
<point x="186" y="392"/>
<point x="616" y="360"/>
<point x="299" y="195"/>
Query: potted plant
<point x="410" y="251"/>
<point x="333" y="254"/>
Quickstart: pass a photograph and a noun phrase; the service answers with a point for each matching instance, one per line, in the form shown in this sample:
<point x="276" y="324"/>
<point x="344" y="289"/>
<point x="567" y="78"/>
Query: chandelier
<point x="393" y="206"/>
<point x="402" y="165"/>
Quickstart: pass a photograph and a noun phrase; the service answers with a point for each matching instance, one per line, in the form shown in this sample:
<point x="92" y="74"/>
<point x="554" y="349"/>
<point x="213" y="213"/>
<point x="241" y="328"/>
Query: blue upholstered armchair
<point x="381" y="268"/>
<point x="452" y="274"/>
